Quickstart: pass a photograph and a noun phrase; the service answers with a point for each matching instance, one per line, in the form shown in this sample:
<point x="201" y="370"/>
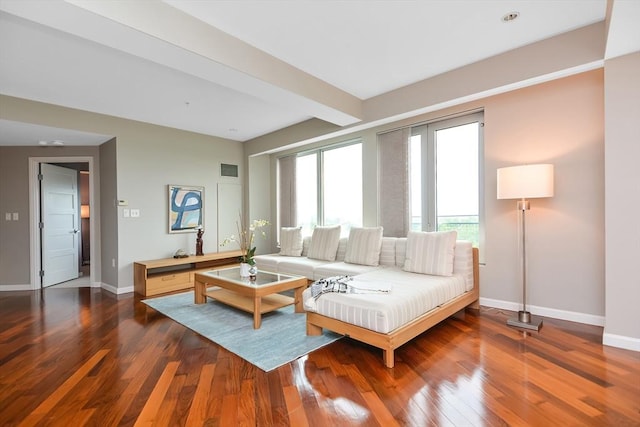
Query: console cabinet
<point x="159" y="276"/>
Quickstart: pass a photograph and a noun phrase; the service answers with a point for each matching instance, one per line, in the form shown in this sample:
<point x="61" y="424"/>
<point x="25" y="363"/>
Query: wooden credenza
<point x="160" y="276"/>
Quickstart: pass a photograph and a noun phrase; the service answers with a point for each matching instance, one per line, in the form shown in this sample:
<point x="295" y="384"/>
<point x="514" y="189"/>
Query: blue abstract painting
<point x="186" y="208"/>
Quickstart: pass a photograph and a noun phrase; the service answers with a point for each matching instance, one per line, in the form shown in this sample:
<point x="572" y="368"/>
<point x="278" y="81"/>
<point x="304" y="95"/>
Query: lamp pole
<point x="524" y="319"/>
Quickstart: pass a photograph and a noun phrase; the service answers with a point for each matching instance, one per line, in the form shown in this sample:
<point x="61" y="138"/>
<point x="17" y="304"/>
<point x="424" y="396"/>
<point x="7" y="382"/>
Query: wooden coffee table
<point x="253" y="296"/>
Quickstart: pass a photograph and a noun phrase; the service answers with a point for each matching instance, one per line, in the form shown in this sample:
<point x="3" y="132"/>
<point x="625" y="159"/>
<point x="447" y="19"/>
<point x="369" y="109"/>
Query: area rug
<point x="281" y="339"/>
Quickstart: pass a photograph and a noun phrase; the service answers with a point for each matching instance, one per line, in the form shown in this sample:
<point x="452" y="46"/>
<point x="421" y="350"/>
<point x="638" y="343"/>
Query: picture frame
<point x="186" y="208"/>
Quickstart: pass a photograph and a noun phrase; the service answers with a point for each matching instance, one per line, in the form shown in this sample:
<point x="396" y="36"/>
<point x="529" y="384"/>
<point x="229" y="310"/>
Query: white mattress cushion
<point x="341" y="269"/>
<point x="342" y="249"/>
<point x="411" y="295"/>
<point x="324" y="243"/>
<point x="363" y="246"/>
<point x="306" y="241"/>
<point x="291" y="241"/>
<point x="268" y="262"/>
<point x="388" y="251"/>
<point x="463" y="262"/>
<point x="299" y="266"/>
<point x="430" y="252"/>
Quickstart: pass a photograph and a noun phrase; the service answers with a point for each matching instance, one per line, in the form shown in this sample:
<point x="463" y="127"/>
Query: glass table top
<point x="262" y="278"/>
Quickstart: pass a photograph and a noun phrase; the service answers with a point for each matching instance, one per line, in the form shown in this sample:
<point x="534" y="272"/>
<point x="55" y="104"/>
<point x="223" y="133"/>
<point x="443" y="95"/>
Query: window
<point x="306" y="185"/>
<point x="327" y="187"/>
<point x="441" y="163"/>
<point x="342" y="187"/>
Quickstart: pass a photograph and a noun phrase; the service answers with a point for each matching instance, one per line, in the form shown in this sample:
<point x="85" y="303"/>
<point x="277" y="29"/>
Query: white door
<point x="59" y="210"/>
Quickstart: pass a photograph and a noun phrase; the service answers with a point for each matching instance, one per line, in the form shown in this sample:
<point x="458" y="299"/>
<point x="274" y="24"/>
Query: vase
<point x="244" y="269"/>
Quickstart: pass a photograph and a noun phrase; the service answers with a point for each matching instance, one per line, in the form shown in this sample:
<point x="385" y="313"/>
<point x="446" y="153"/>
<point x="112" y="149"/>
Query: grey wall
<point x="622" y="154"/>
<point x="138" y="166"/>
<point x="14" y="197"/>
<point x="148" y="159"/>
<point x="108" y="213"/>
<point x="560" y="122"/>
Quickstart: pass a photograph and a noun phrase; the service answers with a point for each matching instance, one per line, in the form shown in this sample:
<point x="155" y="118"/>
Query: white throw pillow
<point x="363" y="246"/>
<point x="291" y="241"/>
<point x="430" y="252"/>
<point x="324" y="243"/>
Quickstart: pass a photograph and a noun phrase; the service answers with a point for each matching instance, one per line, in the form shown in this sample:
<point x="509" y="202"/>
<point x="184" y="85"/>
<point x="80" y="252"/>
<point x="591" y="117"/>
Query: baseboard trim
<point x="16" y="288"/>
<point x="117" y="291"/>
<point x="621" y="341"/>
<point x="572" y="316"/>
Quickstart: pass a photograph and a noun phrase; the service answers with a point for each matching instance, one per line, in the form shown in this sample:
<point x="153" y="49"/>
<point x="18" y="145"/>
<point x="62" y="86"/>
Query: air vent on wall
<point x="228" y="170"/>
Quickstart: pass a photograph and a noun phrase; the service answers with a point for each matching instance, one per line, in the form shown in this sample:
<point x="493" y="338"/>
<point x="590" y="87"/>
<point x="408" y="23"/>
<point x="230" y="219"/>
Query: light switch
<point x="7" y="216"/>
<point x="16" y="217"/>
<point x="135" y="213"/>
<point x="125" y="213"/>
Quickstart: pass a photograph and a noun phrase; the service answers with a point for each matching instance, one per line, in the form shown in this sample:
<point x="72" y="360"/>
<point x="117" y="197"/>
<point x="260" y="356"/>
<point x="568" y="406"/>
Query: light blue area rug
<point x="281" y="339"/>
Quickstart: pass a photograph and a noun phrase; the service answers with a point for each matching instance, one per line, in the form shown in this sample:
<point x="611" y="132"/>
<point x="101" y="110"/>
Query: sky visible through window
<point x="342" y="199"/>
<point x="457" y="170"/>
<point x="457" y="191"/>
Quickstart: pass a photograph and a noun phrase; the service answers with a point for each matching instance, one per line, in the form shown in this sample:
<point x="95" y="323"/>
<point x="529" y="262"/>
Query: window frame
<point x="320" y="184"/>
<point x="398" y="199"/>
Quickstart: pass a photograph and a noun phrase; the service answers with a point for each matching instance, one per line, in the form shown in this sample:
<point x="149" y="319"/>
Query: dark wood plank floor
<point x="72" y="357"/>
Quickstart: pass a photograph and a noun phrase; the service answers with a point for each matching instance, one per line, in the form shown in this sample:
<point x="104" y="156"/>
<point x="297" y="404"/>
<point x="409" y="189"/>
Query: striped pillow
<point x="291" y="241"/>
<point x="430" y="252"/>
<point x="363" y="246"/>
<point x="324" y="243"/>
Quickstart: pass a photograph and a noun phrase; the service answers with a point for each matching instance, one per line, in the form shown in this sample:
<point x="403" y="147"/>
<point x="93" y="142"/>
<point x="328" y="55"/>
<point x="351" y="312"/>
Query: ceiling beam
<point x="160" y="33"/>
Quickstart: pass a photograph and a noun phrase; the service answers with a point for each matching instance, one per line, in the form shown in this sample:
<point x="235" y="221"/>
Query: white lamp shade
<point x="525" y="182"/>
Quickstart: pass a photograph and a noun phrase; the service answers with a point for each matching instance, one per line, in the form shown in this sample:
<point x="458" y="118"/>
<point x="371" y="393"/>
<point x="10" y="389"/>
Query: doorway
<point x="82" y="231"/>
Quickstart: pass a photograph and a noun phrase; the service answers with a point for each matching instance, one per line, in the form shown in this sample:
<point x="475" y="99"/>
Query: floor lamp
<point x="525" y="182"/>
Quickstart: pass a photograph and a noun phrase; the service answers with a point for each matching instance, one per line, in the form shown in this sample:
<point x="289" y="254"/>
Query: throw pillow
<point x="291" y="241"/>
<point x="430" y="252"/>
<point x="363" y="246"/>
<point x="324" y="243"/>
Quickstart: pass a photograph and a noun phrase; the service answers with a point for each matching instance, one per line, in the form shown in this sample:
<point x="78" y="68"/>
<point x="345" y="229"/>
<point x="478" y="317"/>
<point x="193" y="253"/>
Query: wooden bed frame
<point x="390" y="341"/>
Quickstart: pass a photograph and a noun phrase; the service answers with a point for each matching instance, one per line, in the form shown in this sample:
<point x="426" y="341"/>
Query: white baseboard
<point x="572" y="316"/>
<point x="117" y="291"/>
<point x="620" y="341"/>
<point x="15" y="288"/>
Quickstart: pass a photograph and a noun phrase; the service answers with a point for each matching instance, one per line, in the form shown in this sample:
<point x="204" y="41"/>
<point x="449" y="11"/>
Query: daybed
<point x="413" y="284"/>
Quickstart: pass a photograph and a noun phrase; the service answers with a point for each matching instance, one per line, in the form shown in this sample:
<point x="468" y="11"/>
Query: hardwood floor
<point x="72" y="357"/>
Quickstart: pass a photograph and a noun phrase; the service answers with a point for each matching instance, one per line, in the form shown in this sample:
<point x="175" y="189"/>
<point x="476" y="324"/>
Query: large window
<point x="441" y="163"/>
<point x="328" y="188"/>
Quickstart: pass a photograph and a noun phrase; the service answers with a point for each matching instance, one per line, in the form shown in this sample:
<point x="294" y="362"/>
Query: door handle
<point x="75" y="231"/>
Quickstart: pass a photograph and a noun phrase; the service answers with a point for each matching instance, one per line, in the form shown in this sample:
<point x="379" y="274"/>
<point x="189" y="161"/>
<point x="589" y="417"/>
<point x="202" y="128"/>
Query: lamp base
<point x="525" y="321"/>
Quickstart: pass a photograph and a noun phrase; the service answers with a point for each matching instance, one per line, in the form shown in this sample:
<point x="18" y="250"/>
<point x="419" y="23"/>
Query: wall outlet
<point x="16" y="217"/>
<point x="7" y="216"/>
<point x="135" y="213"/>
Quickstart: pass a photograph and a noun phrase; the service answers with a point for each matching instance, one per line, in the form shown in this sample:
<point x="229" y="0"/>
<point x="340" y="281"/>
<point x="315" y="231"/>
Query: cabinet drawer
<point x="168" y="282"/>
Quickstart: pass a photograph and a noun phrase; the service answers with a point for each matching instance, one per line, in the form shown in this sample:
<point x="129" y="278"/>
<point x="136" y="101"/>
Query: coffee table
<point x="253" y="296"/>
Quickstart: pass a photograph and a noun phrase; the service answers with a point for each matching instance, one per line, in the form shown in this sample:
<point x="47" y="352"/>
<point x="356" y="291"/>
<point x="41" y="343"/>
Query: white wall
<point x="622" y="154"/>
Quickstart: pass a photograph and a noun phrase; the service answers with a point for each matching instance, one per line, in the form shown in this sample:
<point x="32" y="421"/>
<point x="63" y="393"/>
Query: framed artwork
<point x="186" y="208"/>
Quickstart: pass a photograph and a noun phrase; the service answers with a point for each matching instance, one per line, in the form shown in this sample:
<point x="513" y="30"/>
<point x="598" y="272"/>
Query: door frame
<point x="34" y="216"/>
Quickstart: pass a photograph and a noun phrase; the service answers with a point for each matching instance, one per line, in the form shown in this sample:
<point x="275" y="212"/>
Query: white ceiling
<point x="241" y="69"/>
